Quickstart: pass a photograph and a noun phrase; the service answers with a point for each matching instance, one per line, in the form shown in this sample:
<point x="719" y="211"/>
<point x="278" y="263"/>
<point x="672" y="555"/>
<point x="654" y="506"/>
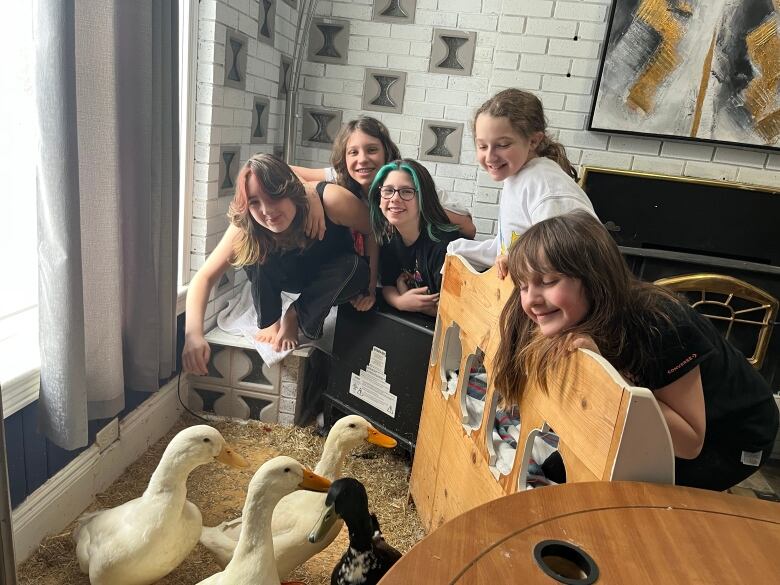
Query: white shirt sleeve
<point x="480" y="254"/>
<point x="330" y="174"/>
<point x="450" y="206"/>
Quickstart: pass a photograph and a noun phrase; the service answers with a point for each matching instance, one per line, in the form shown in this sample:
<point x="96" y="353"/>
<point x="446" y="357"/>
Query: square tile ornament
<point x="397" y="11"/>
<point x="266" y="22"/>
<point x="383" y="90"/>
<point x="452" y="51"/>
<point x="441" y="141"/>
<point x="329" y="41"/>
<point x="229" y="159"/>
<point x="259" y="129"/>
<point x="235" y="59"/>
<point x="320" y="127"/>
<point x="285" y="77"/>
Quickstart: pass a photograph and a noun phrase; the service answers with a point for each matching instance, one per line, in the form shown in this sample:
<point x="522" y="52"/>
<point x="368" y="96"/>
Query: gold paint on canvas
<point x="763" y="45"/>
<point x="705" y="75"/>
<point x="656" y="14"/>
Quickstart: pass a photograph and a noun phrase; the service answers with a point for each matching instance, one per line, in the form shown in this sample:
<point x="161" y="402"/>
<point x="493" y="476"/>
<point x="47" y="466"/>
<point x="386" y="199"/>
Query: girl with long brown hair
<point x="267" y="238"/>
<point x="573" y="289"/>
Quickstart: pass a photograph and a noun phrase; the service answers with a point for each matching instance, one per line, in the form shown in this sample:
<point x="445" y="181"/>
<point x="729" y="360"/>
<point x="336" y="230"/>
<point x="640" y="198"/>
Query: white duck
<point x="142" y="540"/>
<point x="297" y="513"/>
<point x="253" y="561"/>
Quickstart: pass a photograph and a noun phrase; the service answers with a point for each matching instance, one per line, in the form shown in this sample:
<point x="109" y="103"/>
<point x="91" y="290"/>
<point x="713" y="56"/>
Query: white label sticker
<point x="371" y="385"/>
<point x="752" y="459"/>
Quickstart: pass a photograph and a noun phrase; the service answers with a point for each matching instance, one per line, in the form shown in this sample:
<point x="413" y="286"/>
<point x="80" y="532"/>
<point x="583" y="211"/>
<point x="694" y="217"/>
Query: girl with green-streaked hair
<point x="413" y="231"/>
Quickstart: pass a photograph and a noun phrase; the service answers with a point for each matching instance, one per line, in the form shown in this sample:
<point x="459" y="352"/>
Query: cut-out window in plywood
<point x="502" y="440"/>
<point x="451" y="355"/>
<point x="259" y="129"/>
<point x="473" y="389"/>
<point x="328" y="41"/>
<point x="235" y="59"/>
<point x="383" y="90"/>
<point x="397" y="11"/>
<point x="229" y="159"/>
<point x="441" y="141"/>
<point x="542" y="461"/>
<point x="452" y="51"/>
<point x="285" y="77"/>
<point x="266" y="23"/>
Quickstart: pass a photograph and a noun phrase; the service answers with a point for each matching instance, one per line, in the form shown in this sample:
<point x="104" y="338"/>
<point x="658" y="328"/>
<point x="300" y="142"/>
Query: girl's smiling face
<point x="501" y="150"/>
<point x="275" y="215"/>
<point x="553" y="301"/>
<point x="400" y="213"/>
<point x="365" y="155"/>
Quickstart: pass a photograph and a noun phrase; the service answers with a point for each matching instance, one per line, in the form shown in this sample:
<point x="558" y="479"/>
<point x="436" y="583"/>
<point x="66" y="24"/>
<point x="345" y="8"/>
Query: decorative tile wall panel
<point x="320" y="127"/>
<point x="397" y="11"/>
<point x="235" y="59"/>
<point x="452" y="51"/>
<point x="259" y="129"/>
<point x="266" y="22"/>
<point x="383" y="90"/>
<point x="441" y="141"/>
<point x="329" y="41"/>
<point x="229" y="158"/>
<point x="285" y="77"/>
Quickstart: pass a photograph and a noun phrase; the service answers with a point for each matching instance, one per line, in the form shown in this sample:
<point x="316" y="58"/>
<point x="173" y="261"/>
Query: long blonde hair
<point x="621" y="308"/>
<point x="526" y="115"/>
<point x="255" y="242"/>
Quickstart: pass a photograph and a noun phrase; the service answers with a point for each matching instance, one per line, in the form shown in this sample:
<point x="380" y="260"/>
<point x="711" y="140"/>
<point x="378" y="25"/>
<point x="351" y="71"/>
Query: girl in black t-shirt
<point x="573" y="289"/>
<point x="413" y="232"/>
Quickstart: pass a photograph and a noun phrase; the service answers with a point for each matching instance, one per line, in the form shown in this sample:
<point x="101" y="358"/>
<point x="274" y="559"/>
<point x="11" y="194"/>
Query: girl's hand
<point x="195" y="355"/>
<point x="575" y="341"/>
<point x="418" y="300"/>
<point x="364" y="302"/>
<point x="503" y="266"/>
<point x="315" y="220"/>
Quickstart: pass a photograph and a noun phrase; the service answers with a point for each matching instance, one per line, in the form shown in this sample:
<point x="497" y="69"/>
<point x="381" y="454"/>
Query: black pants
<point x="718" y="467"/>
<point x="322" y="283"/>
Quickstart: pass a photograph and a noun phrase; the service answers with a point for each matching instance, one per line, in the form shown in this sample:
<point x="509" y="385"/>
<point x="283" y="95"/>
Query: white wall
<point x="528" y="44"/>
<point x="520" y="43"/>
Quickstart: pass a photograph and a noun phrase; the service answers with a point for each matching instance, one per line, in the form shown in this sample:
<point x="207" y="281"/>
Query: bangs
<point x="527" y="258"/>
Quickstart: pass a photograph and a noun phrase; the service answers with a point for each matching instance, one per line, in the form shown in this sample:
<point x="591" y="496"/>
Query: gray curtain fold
<point x="106" y="91"/>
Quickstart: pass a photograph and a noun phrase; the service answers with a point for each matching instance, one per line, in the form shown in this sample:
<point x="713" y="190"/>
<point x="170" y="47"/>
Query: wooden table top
<point x="633" y="532"/>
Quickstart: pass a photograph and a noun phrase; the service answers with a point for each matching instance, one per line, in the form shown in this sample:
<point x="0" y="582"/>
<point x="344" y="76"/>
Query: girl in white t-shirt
<point x="539" y="181"/>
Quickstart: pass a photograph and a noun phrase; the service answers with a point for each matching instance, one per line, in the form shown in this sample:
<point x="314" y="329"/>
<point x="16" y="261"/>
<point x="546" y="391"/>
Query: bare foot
<point x="287" y="337"/>
<point x="268" y="334"/>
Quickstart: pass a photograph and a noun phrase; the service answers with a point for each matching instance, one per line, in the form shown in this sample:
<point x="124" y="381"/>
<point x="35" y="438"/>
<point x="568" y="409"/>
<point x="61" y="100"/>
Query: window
<point x="188" y="39"/>
<point x="18" y="233"/>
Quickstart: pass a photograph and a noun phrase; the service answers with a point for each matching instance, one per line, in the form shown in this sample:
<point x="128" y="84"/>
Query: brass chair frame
<point x="732" y="288"/>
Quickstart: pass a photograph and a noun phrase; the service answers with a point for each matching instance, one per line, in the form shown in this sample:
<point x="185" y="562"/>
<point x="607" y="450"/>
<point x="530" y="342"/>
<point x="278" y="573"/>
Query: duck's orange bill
<point x="312" y="481"/>
<point x="377" y="438"/>
<point x="229" y="456"/>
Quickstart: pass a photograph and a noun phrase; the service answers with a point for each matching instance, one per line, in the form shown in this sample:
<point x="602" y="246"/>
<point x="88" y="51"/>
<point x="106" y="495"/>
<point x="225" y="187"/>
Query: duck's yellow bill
<point x="229" y="456"/>
<point x="313" y="482"/>
<point x="377" y="438"/>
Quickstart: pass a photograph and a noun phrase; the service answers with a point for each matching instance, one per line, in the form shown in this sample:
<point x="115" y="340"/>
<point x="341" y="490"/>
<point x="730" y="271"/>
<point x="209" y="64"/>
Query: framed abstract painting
<point x="692" y="69"/>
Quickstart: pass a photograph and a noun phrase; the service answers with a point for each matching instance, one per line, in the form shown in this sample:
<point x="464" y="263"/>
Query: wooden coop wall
<point x="607" y="429"/>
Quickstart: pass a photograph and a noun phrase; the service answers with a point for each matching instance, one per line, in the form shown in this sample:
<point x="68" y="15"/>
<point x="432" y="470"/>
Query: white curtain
<point x="106" y="94"/>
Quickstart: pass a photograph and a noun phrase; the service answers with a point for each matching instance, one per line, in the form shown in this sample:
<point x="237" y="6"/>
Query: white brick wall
<point x="224" y="114"/>
<point x="550" y="47"/>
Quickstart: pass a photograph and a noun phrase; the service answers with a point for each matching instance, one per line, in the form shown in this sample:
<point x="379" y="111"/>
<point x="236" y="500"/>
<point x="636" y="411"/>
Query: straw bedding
<point x="219" y="492"/>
